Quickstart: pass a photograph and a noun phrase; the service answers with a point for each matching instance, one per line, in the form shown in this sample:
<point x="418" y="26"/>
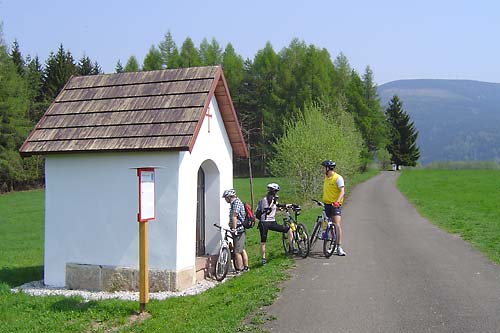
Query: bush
<point x="320" y="133"/>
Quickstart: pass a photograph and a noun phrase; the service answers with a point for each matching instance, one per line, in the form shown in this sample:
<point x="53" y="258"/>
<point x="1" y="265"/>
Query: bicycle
<point x="226" y="254"/>
<point x="324" y="229"/>
<point x="300" y="240"/>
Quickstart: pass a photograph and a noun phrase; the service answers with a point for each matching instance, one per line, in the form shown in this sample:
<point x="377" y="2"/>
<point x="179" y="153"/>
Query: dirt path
<point x="401" y="274"/>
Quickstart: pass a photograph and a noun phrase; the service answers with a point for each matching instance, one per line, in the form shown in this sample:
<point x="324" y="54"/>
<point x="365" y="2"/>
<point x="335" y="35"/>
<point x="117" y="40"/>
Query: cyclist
<point x="333" y="197"/>
<point x="236" y="216"/>
<point x="266" y="213"/>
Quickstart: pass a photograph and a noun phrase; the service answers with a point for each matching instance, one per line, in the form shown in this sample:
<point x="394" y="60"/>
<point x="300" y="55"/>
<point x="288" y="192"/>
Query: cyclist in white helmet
<point x="266" y="212"/>
<point x="236" y="217"/>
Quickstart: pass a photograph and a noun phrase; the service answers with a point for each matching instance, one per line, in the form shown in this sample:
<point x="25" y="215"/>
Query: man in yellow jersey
<point x="333" y="197"/>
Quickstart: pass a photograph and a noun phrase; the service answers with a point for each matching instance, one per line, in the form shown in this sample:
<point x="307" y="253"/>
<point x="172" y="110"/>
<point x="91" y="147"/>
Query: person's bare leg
<point x="245" y="258"/>
<point x="290" y="237"/>
<point x="337" y="220"/>
<point x="238" y="261"/>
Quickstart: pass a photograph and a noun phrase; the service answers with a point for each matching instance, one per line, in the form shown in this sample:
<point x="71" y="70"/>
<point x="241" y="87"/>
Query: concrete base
<point x="205" y="267"/>
<point x="112" y="278"/>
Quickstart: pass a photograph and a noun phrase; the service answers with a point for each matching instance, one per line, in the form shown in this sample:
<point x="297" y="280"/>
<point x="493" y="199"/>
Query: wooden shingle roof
<point x="155" y="110"/>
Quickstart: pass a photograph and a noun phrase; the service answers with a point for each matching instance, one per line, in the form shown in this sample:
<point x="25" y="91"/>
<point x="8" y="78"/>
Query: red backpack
<point x="250" y="219"/>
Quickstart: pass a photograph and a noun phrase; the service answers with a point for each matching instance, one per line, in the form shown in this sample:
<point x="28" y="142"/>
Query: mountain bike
<point x="300" y="240"/>
<point x="226" y="254"/>
<point x="324" y="229"/>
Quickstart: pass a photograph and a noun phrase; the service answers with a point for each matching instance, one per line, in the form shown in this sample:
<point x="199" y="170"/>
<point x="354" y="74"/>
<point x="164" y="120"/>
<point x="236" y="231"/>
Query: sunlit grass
<point x="463" y="202"/>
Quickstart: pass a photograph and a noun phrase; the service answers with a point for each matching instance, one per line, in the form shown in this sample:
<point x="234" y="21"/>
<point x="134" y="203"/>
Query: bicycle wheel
<point x="222" y="265"/>
<point x="301" y="239"/>
<point x="330" y="240"/>
<point x="315" y="233"/>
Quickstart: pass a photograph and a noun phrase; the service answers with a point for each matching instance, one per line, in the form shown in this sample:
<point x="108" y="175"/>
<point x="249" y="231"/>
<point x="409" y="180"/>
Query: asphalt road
<point x="401" y="274"/>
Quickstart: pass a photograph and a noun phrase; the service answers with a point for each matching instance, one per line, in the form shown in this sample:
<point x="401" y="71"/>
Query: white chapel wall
<point x="216" y="148"/>
<point x="91" y="211"/>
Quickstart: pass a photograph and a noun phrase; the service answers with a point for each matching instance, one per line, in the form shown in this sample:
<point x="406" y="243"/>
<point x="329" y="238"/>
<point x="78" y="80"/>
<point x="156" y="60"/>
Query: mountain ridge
<point x="457" y="120"/>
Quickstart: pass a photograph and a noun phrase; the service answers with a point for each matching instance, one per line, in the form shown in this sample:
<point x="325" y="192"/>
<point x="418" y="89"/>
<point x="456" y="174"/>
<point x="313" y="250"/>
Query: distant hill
<point x="457" y="120"/>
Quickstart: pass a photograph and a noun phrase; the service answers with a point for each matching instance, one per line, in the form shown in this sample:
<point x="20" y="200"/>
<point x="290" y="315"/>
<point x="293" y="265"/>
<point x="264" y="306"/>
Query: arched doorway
<point x="208" y="209"/>
<point x="200" y="214"/>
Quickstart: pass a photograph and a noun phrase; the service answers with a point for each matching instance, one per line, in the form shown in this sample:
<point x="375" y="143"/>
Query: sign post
<point x="146" y="213"/>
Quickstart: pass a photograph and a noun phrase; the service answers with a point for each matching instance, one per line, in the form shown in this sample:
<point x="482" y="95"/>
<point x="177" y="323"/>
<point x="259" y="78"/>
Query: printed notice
<point x="147" y="195"/>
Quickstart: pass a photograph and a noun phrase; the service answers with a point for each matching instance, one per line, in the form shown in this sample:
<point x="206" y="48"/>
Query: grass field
<point x="463" y="202"/>
<point x="229" y="307"/>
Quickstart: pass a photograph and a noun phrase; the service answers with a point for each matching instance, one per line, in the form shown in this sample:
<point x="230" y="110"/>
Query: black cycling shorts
<point x="270" y="225"/>
<point x="332" y="211"/>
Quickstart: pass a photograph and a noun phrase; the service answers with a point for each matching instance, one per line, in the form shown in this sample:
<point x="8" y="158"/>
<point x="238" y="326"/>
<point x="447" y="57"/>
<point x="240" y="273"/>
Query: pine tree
<point x="169" y="52"/>
<point x="153" y="60"/>
<point x="96" y="69"/>
<point x="402" y="135"/>
<point x="17" y="58"/>
<point x="58" y="69"/>
<point x="119" y="67"/>
<point x="84" y="66"/>
<point x="377" y="136"/>
<point x="34" y="81"/>
<point x="132" y="65"/>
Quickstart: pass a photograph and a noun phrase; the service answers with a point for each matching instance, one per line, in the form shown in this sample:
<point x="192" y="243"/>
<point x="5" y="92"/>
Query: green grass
<point x="463" y="202"/>
<point x="229" y="307"/>
<point x="21" y="237"/>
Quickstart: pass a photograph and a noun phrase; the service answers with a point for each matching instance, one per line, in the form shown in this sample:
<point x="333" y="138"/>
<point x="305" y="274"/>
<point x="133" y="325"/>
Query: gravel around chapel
<point x="37" y="288"/>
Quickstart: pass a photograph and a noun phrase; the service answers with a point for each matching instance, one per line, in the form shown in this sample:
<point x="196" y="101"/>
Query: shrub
<point x="320" y="132"/>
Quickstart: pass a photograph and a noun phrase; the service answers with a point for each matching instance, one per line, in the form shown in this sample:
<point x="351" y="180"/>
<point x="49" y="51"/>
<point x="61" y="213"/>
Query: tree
<point x="14" y="124"/>
<point x="264" y="73"/>
<point x="342" y="73"/>
<point x="321" y="131"/>
<point x="84" y="66"/>
<point x="17" y="58"/>
<point x="58" y="69"/>
<point x="119" y="67"/>
<point x="96" y="69"/>
<point x="377" y="136"/>
<point x="233" y="69"/>
<point x="169" y="52"/>
<point x="402" y="134"/>
<point x="153" y="60"/>
<point x="132" y="65"/>
<point x="34" y="82"/>
<point x="190" y="56"/>
<point x="210" y="54"/>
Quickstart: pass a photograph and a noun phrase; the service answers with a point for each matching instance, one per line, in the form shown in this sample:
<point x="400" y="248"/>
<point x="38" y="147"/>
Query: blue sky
<point x="441" y="39"/>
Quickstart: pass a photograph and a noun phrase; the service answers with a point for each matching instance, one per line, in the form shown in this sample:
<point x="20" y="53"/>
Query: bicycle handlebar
<point x="294" y="207"/>
<point x="223" y="229"/>
<point x="319" y="203"/>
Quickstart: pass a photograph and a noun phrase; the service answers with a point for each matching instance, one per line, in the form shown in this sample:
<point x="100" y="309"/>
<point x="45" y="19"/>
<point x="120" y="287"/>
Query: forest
<point x="272" y="93"/>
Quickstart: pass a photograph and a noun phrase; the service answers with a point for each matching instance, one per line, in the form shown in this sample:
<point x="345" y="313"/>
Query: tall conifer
<point x="402" y="135"/>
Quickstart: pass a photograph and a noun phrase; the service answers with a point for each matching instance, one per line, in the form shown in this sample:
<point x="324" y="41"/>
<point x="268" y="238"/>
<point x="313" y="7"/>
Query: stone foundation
<point x="113" y="278"/>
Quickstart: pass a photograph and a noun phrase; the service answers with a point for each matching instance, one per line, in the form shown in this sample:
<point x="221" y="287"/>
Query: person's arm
<point x="341" y="194"/>
<point x="234" y="220"/>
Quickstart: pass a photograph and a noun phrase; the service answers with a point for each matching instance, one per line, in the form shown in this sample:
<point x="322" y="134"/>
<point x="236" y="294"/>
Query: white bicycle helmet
<point x="229" y="193"/>
<point x="273" y="186"/>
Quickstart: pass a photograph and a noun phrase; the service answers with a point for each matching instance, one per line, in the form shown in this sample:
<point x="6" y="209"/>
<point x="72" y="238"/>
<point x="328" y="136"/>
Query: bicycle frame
<point x="226" y="254"/>
<point x="327" y="232"/>
<point x="299" y="230"/>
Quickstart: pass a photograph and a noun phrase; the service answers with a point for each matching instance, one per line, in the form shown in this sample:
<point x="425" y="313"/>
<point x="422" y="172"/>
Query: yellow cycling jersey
<point x="331" y="188"/>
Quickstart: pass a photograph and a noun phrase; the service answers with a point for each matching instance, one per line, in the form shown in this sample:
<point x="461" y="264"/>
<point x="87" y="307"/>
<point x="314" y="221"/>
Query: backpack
<point x="249" y="220"/>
